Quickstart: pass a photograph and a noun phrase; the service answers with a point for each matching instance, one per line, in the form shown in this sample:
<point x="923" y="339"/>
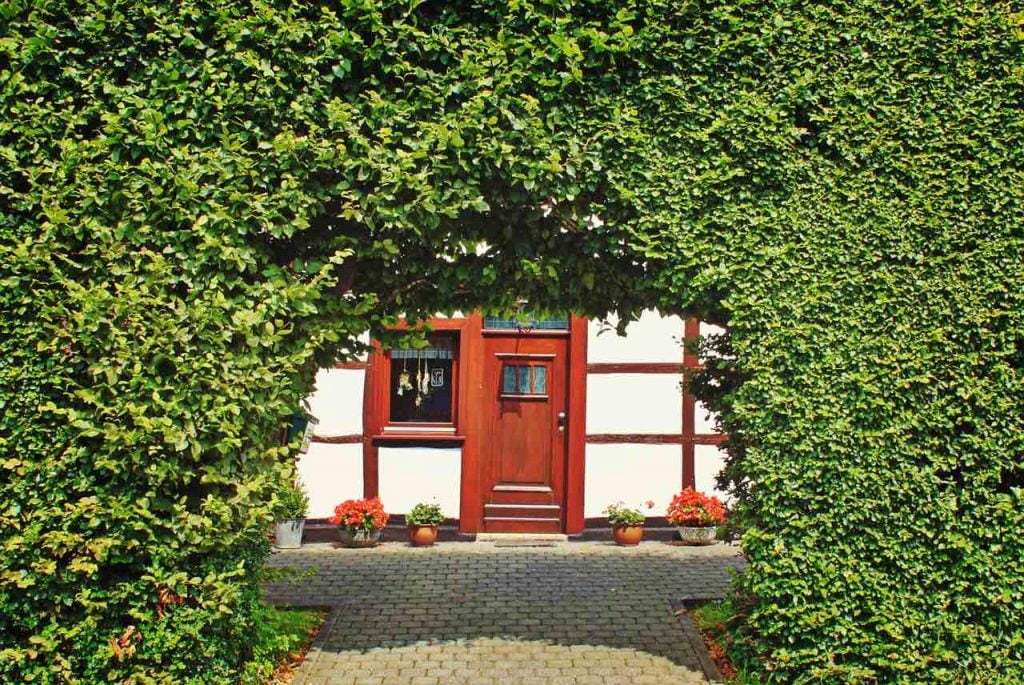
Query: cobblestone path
<point x="476" y="613"/>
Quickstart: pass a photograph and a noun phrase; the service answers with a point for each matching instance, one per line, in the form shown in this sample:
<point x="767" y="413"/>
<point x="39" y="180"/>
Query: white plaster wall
<point x="632" y="474"/>
<point x="331" y="474"/>
<point x="703" y="420"/>
<point x="441" y="315"/>
<point x="710" y="329"/>
<point x="365" y="339"/>
<point x="345" y="351"/>
<point x="409" y="475"/>
<point x="634" y="403"/>
<point x="653" y="338"/>
<point x="707" y="329"/>
<point x="708" y="460"/>
<point x="337" y="402"/>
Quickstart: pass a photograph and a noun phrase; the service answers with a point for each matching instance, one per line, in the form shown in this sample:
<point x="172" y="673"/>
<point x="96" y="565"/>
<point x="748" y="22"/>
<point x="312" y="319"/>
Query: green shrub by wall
<point x="850" y="206"/>
<point x="201" y="202"/>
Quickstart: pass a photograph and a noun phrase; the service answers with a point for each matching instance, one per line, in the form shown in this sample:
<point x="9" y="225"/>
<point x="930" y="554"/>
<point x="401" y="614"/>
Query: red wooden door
<point x="525" y="380"/>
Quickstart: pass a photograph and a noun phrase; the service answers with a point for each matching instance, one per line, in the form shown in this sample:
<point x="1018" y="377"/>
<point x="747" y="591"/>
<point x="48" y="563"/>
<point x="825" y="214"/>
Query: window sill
<point x="400" y="437"/>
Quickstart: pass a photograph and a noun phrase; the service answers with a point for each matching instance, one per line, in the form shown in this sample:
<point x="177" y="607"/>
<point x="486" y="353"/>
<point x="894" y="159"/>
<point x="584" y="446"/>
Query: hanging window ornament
<point x="422" y="380"/>
<point x="425" y="381"/>
<point x="404" y="380"/>
<point x="419" y="371"/>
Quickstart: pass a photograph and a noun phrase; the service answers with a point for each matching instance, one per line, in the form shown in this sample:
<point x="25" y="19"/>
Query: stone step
<point x="522" y="539"/>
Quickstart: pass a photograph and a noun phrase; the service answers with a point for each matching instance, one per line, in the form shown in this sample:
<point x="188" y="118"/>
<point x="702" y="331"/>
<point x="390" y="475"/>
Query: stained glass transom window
<point x="526" y="322"/>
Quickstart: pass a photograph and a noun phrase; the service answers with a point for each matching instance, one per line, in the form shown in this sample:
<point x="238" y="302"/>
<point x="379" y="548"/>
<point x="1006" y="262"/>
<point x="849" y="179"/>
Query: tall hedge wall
<point x="841" y="184"/>
<point x="201" y="202"/>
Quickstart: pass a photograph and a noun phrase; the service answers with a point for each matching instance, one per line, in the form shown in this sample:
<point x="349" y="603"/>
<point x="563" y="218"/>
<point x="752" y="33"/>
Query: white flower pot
<point x="359" y="537"/>
<point x="288" y="534"/>
<point x="692" y="535"/>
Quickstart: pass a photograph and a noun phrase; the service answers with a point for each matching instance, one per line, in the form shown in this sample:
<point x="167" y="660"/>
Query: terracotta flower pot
<point x="359" y="537"/>
<point x="627" y="536"/>
<point x="422" y="536"/>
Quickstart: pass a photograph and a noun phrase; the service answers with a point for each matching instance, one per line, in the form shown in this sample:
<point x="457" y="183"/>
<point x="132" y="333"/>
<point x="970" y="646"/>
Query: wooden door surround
<point x="476" y="408"/>
<point x="526" y="414"/>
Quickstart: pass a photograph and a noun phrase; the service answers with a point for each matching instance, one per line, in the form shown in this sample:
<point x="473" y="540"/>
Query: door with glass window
<point x="524" y="447"/>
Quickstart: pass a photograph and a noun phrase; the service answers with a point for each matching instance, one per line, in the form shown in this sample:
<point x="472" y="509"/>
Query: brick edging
<point x="301" y="676"/>
<point x="696" y="643"/>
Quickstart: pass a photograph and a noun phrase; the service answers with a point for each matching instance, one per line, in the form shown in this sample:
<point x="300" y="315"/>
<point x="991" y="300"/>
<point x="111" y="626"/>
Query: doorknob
<point x="561" y="420"/>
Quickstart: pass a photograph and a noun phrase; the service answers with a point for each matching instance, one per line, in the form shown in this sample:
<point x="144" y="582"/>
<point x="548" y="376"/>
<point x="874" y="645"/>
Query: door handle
<point x="561" y="420"/>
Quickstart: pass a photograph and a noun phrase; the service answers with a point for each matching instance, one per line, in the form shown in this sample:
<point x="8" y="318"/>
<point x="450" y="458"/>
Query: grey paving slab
<point x="474" y="613"/>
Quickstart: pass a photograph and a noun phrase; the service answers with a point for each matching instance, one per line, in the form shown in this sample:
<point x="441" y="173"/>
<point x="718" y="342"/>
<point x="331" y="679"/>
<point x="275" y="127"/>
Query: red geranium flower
<point x="365" y="514"/>
<point x="692" y="508"/>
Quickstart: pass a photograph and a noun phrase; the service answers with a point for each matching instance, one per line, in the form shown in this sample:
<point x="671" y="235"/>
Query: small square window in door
<point x="524" y="379"/>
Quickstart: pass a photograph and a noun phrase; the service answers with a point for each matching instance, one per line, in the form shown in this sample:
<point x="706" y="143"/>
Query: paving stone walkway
<point x="476" y="613"/>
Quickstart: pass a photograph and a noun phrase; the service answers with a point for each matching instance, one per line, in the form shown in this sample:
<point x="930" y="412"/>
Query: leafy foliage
<point x="619" y="514"/>
<point x="292" y="501"/>
<point x="281" y="634"/>
<point x="425" y="514"/>
<point x="717" y="622"/>
<point x="202" y="202"/>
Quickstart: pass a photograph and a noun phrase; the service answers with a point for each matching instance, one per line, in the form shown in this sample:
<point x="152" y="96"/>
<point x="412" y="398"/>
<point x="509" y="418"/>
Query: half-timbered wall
<point x="645" y="439"/>
<point x="408" y="475"/>
<point x="332" y="469"/>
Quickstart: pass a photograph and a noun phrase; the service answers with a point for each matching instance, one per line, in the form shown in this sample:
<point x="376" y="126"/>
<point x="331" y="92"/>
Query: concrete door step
<point x="522" y="539"/>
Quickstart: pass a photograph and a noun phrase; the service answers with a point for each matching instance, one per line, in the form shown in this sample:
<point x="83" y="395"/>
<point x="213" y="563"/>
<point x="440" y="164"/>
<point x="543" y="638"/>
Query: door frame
<point x="470" y="424"/>
<point x="528" y="422"/>
<point x="474" y="453"/>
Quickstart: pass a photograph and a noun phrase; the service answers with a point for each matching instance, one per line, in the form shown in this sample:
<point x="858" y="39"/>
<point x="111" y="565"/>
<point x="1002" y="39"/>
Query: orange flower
<point x="365" y="514"/>
<point x="692" y="508"/>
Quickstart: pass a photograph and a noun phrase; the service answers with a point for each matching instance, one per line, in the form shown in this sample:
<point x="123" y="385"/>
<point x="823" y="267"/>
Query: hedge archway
<point x="204" y="201"/>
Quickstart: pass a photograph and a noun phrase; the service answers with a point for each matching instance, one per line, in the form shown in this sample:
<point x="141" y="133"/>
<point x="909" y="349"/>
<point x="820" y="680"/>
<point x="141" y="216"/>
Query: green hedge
<point x="851" y="209"/>
<point x="202" y="202"/>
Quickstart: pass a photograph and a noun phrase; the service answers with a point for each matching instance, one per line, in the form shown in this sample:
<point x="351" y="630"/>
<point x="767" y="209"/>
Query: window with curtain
<point x="422" y="388"/>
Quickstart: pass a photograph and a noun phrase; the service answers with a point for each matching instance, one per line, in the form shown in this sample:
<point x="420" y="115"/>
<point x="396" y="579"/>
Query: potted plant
<point x="696" y="516"/>
<point x="627" y="523"/>
<point x="360" y="521"/>
<point x="290" y="515"/>
<point x="423" y="521"/>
